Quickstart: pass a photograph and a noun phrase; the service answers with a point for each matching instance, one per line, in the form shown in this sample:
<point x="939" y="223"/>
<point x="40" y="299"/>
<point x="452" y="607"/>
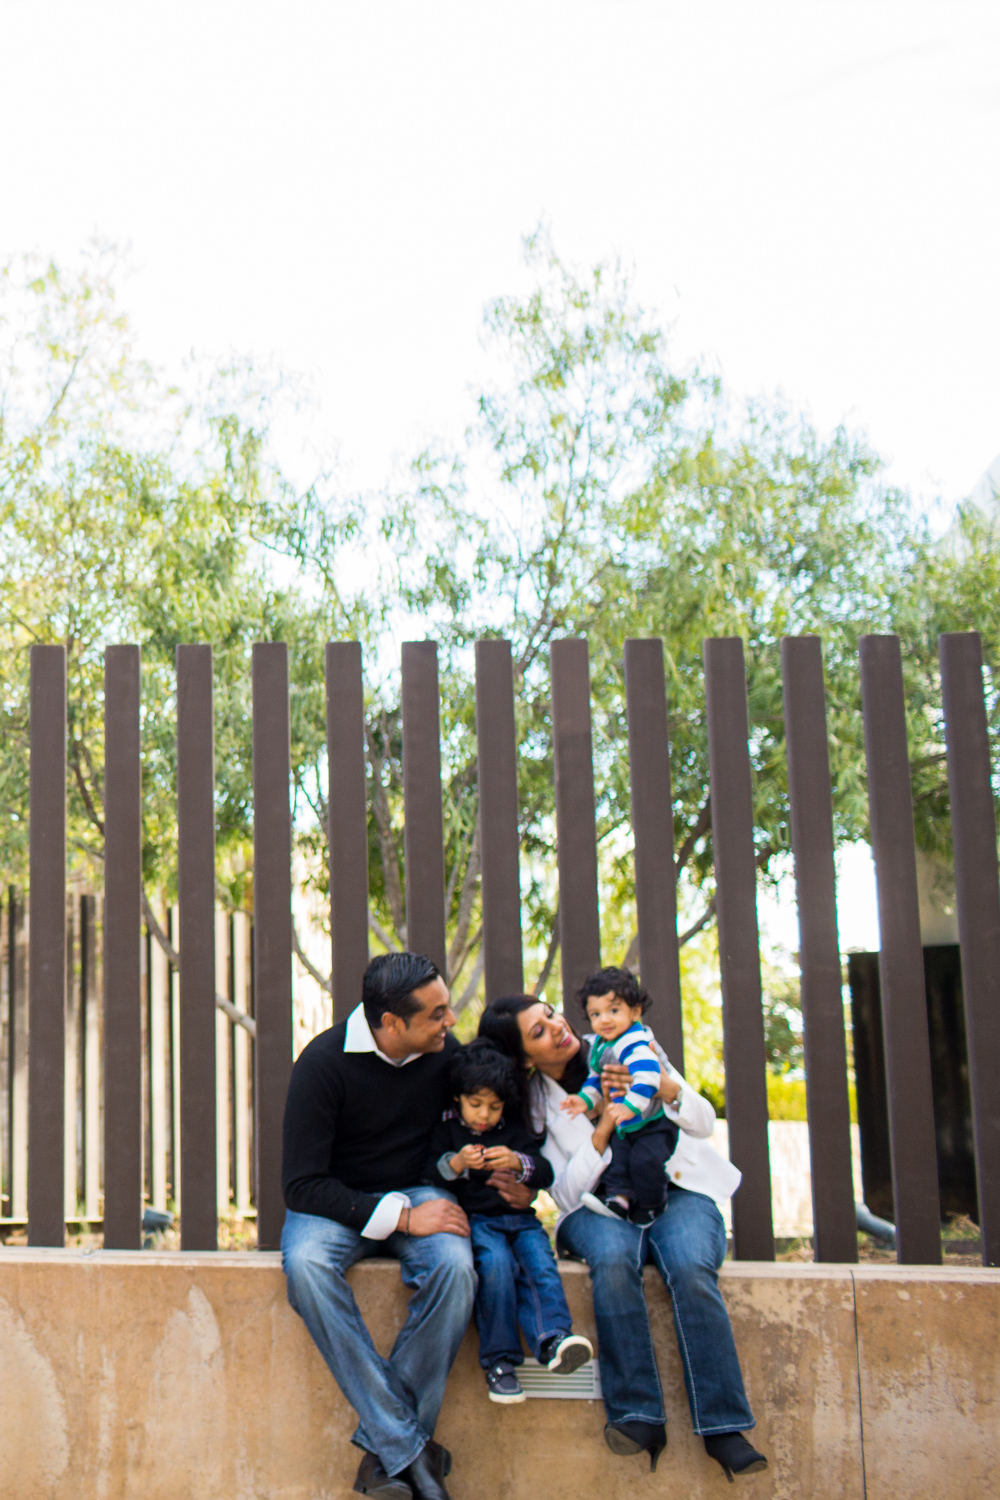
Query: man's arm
<point x="312" y="1113"/>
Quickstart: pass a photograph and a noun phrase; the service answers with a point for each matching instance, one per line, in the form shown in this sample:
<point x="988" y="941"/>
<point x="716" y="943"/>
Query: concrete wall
<point x="187" y="1377"/>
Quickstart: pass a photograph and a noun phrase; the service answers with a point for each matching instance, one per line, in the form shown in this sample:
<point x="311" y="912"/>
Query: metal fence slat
<point x="47" y="946"/>
<point x="653" y="831"/>
<point x="196" y="900"/>
<point x="272" y="928"/>
<point x="122" y="950"/>
<point x="901" y="966"/>
<point x="423" y="838"/>
<point x="739" y="949"/>
<point x="977" y="887"/>
<point x="835" y="1235"/>
<point x="576" y="828"/>
<point x="496" y="739"/>
<point x="347" y="819"/>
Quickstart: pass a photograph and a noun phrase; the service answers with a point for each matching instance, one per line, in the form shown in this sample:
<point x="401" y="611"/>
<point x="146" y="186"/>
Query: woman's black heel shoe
<point x="735" y="1454"/>
<point x="628" y="1438"/>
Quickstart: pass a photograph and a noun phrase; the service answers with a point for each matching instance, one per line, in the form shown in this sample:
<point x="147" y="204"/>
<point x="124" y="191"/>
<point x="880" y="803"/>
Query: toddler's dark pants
<point x="637" y="1161"/>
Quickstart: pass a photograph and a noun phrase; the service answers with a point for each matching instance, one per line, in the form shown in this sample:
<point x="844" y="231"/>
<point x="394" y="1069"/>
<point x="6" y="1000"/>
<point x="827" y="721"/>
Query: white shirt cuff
<point x="385" y="1217"/>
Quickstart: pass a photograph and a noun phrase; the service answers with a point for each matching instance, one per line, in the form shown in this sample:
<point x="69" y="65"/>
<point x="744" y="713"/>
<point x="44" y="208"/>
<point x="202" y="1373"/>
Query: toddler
<point x="634" y="1186"/>
<point x="519" y="1282"/>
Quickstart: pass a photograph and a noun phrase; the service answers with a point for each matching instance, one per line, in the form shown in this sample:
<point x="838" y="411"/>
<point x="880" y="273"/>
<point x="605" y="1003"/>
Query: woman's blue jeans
<point x="687" y="1244"/>
<point x="519" y="1282"/>
<point x="397" y="1399"/>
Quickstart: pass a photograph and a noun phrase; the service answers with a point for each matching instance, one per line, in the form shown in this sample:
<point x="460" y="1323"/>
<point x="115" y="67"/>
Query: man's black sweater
<point x="473" y="1191"/>
<point x="356" y="1127"/>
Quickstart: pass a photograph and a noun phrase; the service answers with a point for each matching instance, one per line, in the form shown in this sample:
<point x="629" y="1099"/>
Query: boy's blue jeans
<point x="397" y="1399"/>
<point x="519" y="1282"/>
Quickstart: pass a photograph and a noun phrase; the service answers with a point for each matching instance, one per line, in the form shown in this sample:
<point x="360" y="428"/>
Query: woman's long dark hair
<point x="499" y="1022"/>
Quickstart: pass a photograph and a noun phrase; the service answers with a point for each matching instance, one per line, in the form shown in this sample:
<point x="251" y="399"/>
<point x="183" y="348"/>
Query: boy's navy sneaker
<point x="565" y="1352"/>
<point x="642" y="1216"/>
<point x="503" y="1384"/>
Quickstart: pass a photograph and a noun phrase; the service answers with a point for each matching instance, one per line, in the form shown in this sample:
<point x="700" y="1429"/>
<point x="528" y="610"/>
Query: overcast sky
<point x="808" y="193"/>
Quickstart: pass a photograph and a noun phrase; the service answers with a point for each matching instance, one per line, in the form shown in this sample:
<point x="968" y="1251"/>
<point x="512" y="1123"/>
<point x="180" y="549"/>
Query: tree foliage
<point x="600" y="491"/>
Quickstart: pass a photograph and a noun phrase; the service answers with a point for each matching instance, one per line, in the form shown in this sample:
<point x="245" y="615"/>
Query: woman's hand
<point x="501" y="1158"/>
<point x="669" y="1087"/>
<point x="615" y="1080"/>
<point x="519" y="1195"/>
<point x="603" y="1131"/>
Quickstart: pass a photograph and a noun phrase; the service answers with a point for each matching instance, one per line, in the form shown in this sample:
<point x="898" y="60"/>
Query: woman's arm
<point x="693" y="1114"/>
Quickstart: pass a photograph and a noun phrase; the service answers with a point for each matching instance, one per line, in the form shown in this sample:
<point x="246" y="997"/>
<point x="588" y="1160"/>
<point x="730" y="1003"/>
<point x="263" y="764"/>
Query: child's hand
<point x="574" y="1105"/>
<point x="501" y="1158"/>
<point x="469" y="1159"/>
<point x="621" y="1113"/>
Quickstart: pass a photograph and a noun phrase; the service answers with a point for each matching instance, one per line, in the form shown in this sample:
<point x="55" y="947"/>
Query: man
<point x="361" y="1103"/>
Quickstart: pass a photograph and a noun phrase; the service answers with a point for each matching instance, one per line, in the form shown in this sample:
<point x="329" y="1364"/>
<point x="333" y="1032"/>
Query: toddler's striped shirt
<point x="631" y="1048"/>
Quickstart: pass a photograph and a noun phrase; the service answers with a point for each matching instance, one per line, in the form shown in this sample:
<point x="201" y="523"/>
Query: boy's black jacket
<point x="448" y="1137"/>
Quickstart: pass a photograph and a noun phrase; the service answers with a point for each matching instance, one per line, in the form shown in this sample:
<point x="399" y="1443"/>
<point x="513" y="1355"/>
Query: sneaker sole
<point x="506" y="1400"/>
<point x="575" y="1356"/>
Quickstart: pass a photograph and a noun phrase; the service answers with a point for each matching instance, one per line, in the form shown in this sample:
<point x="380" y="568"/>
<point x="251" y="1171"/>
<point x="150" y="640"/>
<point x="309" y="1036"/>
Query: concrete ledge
<point x="188" y="1377"/>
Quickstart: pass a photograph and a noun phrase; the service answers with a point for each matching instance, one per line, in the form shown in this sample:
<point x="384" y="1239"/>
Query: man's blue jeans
<point x="687" y="1244"/>
<point x="397" y="1399"/>
<point x="519" y="1282"/>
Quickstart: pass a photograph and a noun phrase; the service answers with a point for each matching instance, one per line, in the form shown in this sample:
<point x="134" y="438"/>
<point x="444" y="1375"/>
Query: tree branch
<point x="238" y="1017"/>
<point x="550" y="957"/>
<point x="310" y="968"/>
<point x="465" y="904"/>
<point x="702" y="824"/>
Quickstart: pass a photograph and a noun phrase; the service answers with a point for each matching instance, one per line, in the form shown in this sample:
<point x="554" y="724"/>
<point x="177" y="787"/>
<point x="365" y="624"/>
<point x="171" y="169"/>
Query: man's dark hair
<point x="620" y="982"/>
<point x="480" y="1065"/>
<point x="389" y="983"/>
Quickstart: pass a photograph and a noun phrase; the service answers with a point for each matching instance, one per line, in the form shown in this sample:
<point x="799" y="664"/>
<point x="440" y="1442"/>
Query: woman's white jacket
<point x="695" y="1164"/>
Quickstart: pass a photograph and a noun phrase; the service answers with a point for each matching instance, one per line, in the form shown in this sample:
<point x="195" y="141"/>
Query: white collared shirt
<point x="359" y="1038"/>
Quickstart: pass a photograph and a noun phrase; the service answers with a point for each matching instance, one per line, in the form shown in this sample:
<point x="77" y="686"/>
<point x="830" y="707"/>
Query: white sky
<point x="809" y="194"/>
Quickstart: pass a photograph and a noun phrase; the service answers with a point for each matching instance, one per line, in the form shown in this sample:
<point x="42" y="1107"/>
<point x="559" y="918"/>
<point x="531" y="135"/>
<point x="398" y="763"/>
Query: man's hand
<point x="501" y="1157"/>
<point x="519" y="1195"/>
<point x="469" y="1159"/>
<point x="574" y="1105"/>
<point x="434" y="1216"/>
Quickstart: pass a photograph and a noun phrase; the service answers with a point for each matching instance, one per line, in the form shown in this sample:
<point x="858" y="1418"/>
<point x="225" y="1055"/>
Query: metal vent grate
<point x="583" y="1384"/>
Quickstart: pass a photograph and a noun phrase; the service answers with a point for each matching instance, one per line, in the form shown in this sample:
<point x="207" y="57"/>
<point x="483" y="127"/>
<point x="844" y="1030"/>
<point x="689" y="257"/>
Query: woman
<point x="686" y="1243"/>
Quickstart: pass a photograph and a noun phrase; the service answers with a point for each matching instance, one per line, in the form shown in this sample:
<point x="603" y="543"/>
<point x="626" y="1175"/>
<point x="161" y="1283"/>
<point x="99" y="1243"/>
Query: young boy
<point x="634" y="1186"/>
<point x="518" y="1279"/>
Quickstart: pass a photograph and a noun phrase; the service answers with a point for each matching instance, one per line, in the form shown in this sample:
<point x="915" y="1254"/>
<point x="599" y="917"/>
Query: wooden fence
<point x="155" y="1011"/>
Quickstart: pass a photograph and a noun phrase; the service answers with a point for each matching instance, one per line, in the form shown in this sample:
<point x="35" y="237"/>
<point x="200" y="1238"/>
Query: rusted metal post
<point x="497" y="749"/>
<point x="272" y="928"/>
<point x="653" y="830"/>
<point x="739" y="947"/>
<point x="47" y="946"/>
<point x="423" y="839"/>
<point x="347" y="822"/>
<point x="122" y="951"/>
<point x="835" y="1236"/>
<point x="977" y="887"/>
<point x="901" y="962"/>
<point x="576" y="824"/>
<point x="196" y="892"/>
